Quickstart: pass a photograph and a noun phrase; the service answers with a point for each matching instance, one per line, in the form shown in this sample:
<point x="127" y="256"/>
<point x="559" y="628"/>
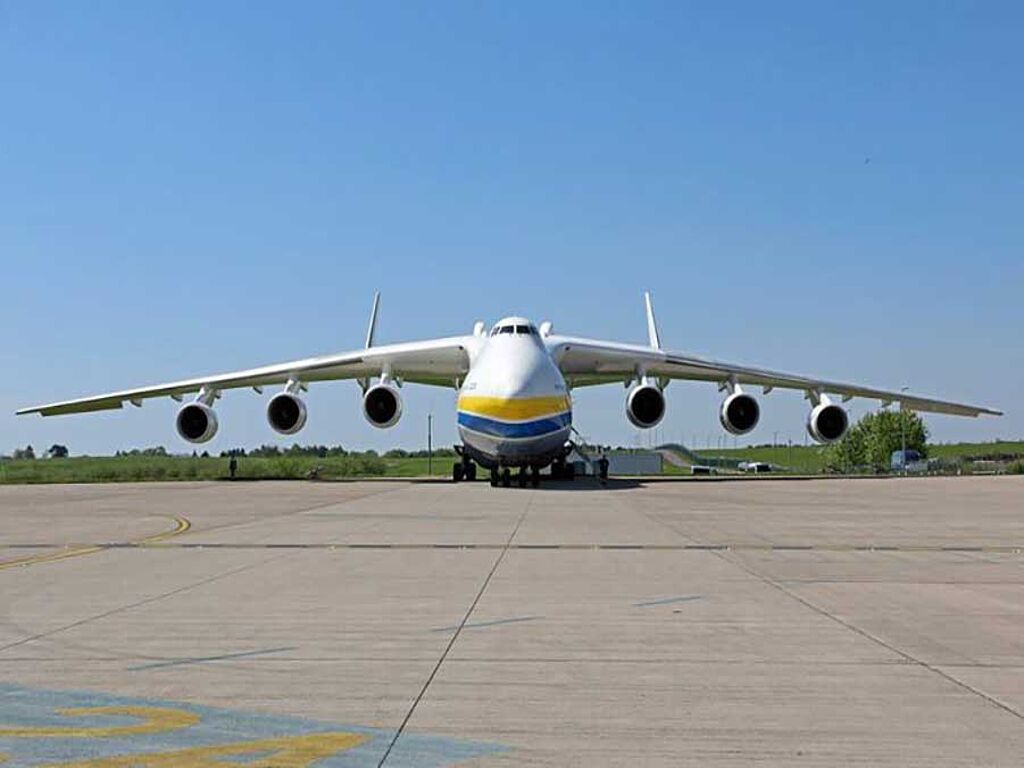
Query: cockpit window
<point x="507" y="329"/>
<point x="523" y="329"/>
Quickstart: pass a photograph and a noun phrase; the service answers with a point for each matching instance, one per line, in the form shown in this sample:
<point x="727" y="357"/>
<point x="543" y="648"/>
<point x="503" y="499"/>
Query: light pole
<point x="430" y="447"/>
<point x="903" y="434"/>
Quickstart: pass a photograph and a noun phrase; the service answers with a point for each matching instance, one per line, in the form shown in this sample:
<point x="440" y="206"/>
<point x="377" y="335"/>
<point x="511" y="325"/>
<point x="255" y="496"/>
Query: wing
<point x="441" y="362"/>
<point x="587" y="362"/>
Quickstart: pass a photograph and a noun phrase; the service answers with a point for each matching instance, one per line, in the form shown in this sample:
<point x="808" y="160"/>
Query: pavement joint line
<point x="667" y="601"/>
<point x="130" y="606"/>
<point x="203" y="659"/>
<point x="906" y="656"/>
<point x="484" y="624"/>
<point x="181" y="525"/>
<point x="458" y="631"/>
<point x="306" y="510"/>
<point x="163" y="543"/>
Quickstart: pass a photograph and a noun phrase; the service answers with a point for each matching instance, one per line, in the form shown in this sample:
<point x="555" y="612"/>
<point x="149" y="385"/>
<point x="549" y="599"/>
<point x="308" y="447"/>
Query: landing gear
<point x="464" y="470"/>
<point x="495" y="477"/>
<point x="535" y="476"/>
<point x="506" y="477"/>
<point x="560" y="470"/>
<point x="522" y="477"/>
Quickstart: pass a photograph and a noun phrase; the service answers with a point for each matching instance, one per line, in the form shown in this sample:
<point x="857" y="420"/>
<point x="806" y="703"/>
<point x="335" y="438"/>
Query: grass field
<point x="105" y="469"/>
<point x="810" y="459"/>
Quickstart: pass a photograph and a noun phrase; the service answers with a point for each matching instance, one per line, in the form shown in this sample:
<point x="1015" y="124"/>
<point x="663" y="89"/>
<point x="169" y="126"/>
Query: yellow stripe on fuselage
<point x="515" y="408"/>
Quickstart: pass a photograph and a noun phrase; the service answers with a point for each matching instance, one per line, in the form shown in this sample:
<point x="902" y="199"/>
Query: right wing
<point x="439" y="362"/>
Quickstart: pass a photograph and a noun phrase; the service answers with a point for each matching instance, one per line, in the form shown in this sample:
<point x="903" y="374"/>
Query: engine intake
<point x="382" y="406"/>
<point x="645" y="406"/>
<point x="739" y="413"/>
<point x="827" y="422"/>
<point x="196" y="422"/>
<point x="286" y="413"/>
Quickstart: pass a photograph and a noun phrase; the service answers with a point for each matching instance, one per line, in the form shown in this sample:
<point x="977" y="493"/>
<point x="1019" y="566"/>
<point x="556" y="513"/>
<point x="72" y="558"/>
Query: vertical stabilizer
<point x="653" y="337"/>
<point x="371" y="330"/>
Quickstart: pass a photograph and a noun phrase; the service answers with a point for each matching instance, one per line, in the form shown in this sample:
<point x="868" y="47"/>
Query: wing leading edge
<point x="439" y="362"/>
<point x="586" y="362"/>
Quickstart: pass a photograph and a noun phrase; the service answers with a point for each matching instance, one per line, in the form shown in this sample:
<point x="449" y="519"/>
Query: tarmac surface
<point x="812" y="623"/>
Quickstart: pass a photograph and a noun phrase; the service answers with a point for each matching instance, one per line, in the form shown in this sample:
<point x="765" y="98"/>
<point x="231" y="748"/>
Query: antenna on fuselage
<point x="652" y="325"/>
<point x="371" y="330"/>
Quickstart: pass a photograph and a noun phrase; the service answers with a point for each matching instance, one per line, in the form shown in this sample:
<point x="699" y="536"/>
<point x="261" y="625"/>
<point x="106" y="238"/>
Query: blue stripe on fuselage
<point x="534" y="428"/>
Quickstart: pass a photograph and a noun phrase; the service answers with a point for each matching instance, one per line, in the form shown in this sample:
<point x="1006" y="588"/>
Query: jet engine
<point x="827" y="422"/>
<point x="645" y="406"/>
<point x="382" y="405"/>
<point x="196" y="422"/>
<point x="739" y="413"/>
<point x="286" y="413"/>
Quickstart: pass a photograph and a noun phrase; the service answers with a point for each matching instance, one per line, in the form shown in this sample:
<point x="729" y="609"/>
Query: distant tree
<point x="57" y="451"/>
<point x="24" y="453"/>
<point x="872" y="440"/>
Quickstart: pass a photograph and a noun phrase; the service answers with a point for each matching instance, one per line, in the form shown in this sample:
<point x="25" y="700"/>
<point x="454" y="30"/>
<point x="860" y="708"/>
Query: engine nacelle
<point x="196" y="422"/>
<point x="827" y="422"/>
<point x="382" y="405"/>
<point x="286" y="413"/>
<point x="645" y="406"/>
<point x="739" y="413"/>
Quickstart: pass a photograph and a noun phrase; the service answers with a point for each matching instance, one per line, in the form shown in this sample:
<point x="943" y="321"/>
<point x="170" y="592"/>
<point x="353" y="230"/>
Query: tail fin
<point x="371" y="331"/>
<point x="653" y="336"/>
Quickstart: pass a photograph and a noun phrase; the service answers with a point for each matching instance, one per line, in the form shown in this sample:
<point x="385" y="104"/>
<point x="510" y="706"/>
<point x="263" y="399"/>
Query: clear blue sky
<point x="831" y="188"/>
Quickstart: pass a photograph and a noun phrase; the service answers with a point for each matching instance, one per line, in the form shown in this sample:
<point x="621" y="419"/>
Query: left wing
<point x="441" y="362"/>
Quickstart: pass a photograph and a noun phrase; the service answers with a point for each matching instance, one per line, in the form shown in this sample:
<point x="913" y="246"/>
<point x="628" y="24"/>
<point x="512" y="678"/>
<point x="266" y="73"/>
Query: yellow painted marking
<point x="286" y="752"/>
<point x="152" y="720"/>
<point x="517" y="409"/>
<point x="181" y="525"/>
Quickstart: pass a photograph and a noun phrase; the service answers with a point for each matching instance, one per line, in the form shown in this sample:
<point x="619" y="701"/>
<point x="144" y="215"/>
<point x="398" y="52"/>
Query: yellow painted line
<point x="181" y="525"/>
<point x="516" y="408"/>
<point x="152" y="720"/>
<point x="284" y="752"/>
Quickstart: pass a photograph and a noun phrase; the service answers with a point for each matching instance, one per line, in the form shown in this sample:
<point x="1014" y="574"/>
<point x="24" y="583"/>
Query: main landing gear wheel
<point x="522" y="477"/>
<point x="495" y="478"/>
<point x="464" y="470"/>
<point x="506" y="477"/>
<point x="535" y="477"/>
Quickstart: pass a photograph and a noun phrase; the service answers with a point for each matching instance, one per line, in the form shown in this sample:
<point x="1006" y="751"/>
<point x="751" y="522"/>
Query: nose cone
<point x="522" y="370"/>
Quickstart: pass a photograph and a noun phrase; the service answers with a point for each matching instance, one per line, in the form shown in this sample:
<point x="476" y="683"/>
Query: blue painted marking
<point x="478" y="624"/>
<point x="22" y="707"/>
<point x="496" y="428"/>
<point x="201" y="659"/>
<point x="668" y="600"/>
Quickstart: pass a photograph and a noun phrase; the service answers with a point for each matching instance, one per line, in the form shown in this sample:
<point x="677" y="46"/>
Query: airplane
<point x="514" y="385"/>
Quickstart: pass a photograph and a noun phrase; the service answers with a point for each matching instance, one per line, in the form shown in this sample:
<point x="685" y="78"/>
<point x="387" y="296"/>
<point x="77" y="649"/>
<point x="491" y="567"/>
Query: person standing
<point x="233" y="466"/>
<point x="602" y="468"/>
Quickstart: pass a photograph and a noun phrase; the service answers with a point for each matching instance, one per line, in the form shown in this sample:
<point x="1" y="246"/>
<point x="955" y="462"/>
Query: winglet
<point x="652" y="325"/>
<point x="371" y="330"/>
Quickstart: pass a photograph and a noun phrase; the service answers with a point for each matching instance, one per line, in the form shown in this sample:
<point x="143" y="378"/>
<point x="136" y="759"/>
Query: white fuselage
<point x="514" y="407"/>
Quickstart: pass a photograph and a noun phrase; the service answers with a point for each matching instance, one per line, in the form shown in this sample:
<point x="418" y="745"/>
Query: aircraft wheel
<point x="535" y="477"/>
<point x="470" y="471"/>
<point x="495" y="479"/>
<point x="457" y="472"/>
<point x="521" y="478"/>
<point x="506" y="477"/>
